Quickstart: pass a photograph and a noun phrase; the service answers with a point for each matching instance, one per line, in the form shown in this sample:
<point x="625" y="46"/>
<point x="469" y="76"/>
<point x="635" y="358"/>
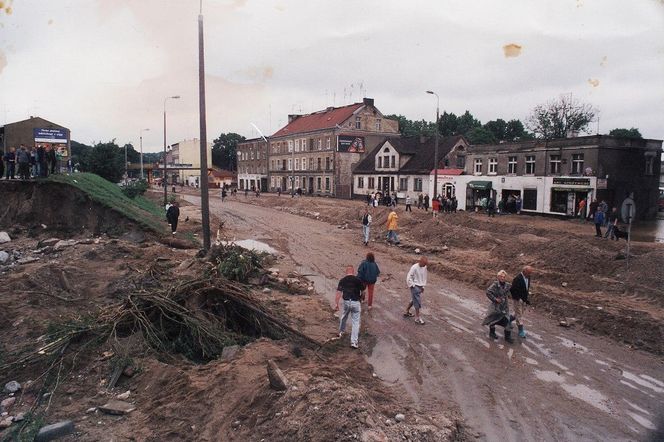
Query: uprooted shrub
<point x="236" y="263"/>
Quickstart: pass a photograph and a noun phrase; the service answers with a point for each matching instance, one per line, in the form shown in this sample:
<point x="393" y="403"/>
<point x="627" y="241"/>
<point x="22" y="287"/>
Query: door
<point x="571" y="203"/>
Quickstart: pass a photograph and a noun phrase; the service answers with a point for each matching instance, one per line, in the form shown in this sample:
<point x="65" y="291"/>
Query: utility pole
<point x="435" y="149"/>
<point x="205" y="197"/>
<point x="141" y="142"/>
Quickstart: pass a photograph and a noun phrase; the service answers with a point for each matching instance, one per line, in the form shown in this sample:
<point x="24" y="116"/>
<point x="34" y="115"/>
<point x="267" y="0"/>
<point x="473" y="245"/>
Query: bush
<point x="134" y="189"/>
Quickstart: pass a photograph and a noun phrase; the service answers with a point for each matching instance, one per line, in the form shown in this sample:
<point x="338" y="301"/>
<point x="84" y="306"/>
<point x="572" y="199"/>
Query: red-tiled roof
<point x="449" y="172"/>
<point x="324" y="119"/>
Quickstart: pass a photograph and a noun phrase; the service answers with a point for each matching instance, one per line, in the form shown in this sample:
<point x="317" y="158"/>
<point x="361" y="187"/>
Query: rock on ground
<point x="277" y="379"/>
<point x="12" y="387"/>
<point x="117" y="407"/>
<point x="4" y="237"/>
<point x="54" y="431"/>
<point x="229" y="352"/>
<point x="4" y="257"/>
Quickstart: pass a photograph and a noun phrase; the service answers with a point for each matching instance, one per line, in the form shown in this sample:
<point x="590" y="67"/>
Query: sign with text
<point x="572" y="181"/>
<point x="350" y="143"/>
<point x="58" y="136"/>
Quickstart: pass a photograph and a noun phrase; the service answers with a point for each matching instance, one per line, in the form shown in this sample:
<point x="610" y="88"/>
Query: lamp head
<point x="430" y="92"/>
<point x="175" y="96"/>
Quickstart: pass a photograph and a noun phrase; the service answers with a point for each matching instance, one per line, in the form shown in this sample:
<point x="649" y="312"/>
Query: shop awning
<point x="482" y="185"/>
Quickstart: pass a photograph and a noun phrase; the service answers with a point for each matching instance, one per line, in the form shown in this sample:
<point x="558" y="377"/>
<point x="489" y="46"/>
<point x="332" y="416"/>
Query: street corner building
<point x="252" y="173"/>
<point x="36" y="132"/>
<point x="316" y="153"/>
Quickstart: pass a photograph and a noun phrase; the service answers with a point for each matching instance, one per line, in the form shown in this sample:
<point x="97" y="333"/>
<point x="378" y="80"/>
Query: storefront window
<point x="530" y="199"/>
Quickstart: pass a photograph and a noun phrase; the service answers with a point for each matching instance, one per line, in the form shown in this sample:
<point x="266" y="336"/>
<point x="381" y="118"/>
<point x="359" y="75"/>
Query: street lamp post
<point x="163" y="179"/>
<point x="141" y="143"/>
<point x="435" y="149"/>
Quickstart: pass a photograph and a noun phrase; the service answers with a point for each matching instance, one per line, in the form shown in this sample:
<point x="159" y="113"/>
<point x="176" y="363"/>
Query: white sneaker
<point x="419" y="321"/>
<point x="354" y="346"/>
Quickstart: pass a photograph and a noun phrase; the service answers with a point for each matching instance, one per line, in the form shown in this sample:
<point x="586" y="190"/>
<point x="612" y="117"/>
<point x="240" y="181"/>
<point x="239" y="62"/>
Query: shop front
<point x="477" y="194"/>
<point x="566" y="193"/>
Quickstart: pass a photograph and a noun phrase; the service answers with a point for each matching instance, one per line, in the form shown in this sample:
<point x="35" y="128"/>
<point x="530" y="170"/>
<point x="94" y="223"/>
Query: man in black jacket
<point x="172" y="215"/>
<point x="520" y="290"/>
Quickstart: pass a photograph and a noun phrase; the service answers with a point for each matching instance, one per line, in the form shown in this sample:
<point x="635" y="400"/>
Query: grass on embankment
<point x="141" y="210"/>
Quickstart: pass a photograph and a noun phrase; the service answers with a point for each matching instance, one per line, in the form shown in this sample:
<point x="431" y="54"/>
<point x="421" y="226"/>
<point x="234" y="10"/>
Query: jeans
<point x="353" y="309"/>
<point x="392" y="236"/>
<point x="365" y="233"/>
<point x="609" y="231"/>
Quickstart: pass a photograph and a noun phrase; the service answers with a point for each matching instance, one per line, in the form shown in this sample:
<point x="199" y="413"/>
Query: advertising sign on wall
<point x="57" y="136"/>
<point x="350" y="143"/>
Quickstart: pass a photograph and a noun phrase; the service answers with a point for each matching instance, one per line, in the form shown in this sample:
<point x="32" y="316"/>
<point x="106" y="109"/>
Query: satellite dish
<point x="628" y="210"/>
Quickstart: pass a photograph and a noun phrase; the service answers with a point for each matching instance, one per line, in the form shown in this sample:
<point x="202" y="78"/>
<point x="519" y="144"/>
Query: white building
<point x="187" y="154"/>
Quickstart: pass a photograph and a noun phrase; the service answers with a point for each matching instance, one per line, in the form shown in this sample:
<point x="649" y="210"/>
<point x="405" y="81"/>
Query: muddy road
<point x="558" y="384"/>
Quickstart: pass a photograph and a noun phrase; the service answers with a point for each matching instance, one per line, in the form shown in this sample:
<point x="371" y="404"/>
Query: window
<point x="290" y="145"/>
<point x="650" y="163"/>
<point x="311" y="164"/>
<point x="577" y="164"/>
<point x="327" y="184"/>
<point x="318" y="183"/>
<point x="461" y="162"/>
<point x="304" y="164"/>
<point x="380" y="163"/>
<point x="478" y="166"/>
<point x="511" y="165"/>
<point x="371" y="183"/>
<point x="403" y="184"/>
<point x="493" y="165"/>
<point x="297" y="164"/>
<point x="328" y="144"/>
<point x="360" y="182"/>
<point x="554" y="162"/>
<point x="529" y="199"/>
<point x="327" y="163"/>
<point x="319" y="143"/>
<point x="319" y="160"/>
<point x="271" y="164"/>
<point x="297" y="145"/>
<point x="393" y="161"/>
<point x="392" y="183"/>
<point x="377" y="124"/>
<point x="290" y="164"/>
<point x="530" y="165"/>
<point x="252" y="154"/>
<point x="358" y="123"/>
<point x="283" y="164"/>
<point x="258" y="154"/>
<point x="417" y="184"/>
<point x="303" y="144"/>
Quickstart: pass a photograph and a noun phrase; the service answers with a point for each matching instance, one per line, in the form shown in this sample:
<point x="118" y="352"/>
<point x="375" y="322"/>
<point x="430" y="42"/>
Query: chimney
<point x="368" y="101"/>
<point x="293" y="117"/>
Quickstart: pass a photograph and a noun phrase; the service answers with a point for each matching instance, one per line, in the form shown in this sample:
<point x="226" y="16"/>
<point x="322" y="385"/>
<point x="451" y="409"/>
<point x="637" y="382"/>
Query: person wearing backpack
<point x="368" y="273"/>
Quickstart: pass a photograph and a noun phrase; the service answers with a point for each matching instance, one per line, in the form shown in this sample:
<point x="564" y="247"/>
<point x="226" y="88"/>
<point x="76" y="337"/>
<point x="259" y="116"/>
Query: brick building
<point x="252" y="164"/>
<point x="36" y="131"/>
<point x="317" y="152"/>
<point x="552" y="176"/>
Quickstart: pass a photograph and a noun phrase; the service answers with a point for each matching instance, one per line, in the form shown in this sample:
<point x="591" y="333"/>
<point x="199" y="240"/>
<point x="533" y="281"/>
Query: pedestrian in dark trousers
<point x="41" y="161"/>
<point x="426" y="202"/>
<point x="520" y="290"/>
<point x="409" y="202"/>
<point x="599" y="220"/>
<point x="10" y="159"/>
<point x="23" y="160"/>
<point x="498" y="312"/>
<point x="172" y="215"/>
<point x="491" y="207"/>
<point x="51" y="159"/>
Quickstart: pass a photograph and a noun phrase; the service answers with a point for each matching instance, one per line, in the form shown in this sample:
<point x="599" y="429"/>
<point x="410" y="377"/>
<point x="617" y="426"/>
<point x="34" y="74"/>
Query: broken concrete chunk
<point x="54" y="431"/>
<point x="277" y="379"/>
<point x="62" y="244"/>
<point x="229" y="352"/>
<point x="4" y="257"/>
<point x="28" y="260"/>
<point x="124" y="396"/>
<point x="117" y="407"/>
<point x="4" y="237"/>
<point x="6" y="422"/>
<point x="48" y="242"/>
<point x="7" y="403"/>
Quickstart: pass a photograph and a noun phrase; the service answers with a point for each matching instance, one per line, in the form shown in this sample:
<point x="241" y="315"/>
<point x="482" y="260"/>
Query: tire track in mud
<point x="555" y="385"/>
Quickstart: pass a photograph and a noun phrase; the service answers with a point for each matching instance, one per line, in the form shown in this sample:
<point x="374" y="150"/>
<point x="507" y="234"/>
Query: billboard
<point x="56" y="136"/>
<point x="350" y="143"/>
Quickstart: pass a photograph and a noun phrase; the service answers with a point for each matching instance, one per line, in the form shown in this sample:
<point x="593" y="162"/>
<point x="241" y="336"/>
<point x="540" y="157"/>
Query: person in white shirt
<point x="366" y="226"/>
<point x="416" y="281"/>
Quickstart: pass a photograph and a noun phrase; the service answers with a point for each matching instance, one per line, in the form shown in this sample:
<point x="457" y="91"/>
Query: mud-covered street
<point x="559" y="383"/>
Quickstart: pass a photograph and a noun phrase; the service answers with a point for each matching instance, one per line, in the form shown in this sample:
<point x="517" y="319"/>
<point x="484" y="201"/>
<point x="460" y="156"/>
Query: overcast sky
<point x="103" y="68"/>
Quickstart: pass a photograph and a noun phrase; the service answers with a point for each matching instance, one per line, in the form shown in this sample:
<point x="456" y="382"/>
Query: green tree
<point x="560" y="117"/>
<point x="448" y="124"/>
<point x="412" y="128"/>
<point x="480" y="135"/>
<point x="515" y="131"/>
<point x="105" y="160"/>
<point x="466" y="122"/>
<point x="133" y="156"/>
<point x="498" y="128"/>
<point x="224" y="150"/>
<point x="630" y="134"/>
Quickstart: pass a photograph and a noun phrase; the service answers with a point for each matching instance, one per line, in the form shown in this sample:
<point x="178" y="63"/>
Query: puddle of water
<point x="386" y="363"/>
<point x="635" y="388"/>
<point x="483" y="342"/>
<point x="653" y="380"/>
<point x="528" y="349"/>
<point x="549" y="376"/>
<point x="645" y="423"/>
<point x="457" y="325"/>
<point x="531" y="361"/>
<point x="601" y="362"/>
<point x="637" y="408"/>
<point x="573" y="345"/>
<point x="465" y="302"/>
<point x="642" y="382"/>
<point x="587" y="395"/>
<point x="252" y="244"/>
<point x="558" y="364"/>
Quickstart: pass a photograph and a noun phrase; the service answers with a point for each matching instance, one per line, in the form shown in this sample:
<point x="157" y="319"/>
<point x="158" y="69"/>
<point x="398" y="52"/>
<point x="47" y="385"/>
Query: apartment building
<point x="252" y="162"/>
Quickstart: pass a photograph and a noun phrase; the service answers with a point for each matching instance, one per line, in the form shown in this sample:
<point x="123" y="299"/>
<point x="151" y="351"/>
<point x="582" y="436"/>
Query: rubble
<point x="12" y="387"/>
<point x="4" y="257"/>
<point x="6" y="404"/>
<point x="277" y="379"/>
<point x="4" y="237"/>
<point x="54" y="431"/>
<point x="117" y="407"/>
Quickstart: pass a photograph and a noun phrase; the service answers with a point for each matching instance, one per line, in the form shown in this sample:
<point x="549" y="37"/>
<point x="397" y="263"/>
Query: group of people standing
<point x="601" y="216"/>
<point x="37" y="161"/>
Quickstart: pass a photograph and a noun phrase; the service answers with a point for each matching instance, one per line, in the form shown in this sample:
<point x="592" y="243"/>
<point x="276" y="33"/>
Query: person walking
<point x="392" y="226"/>
<point x="172" y="215"/>
<point x="498" y="312"/>
<point x="582" y="210"/>
<point x="611" y="224"/>
<point x="350" y="288"/>
<point x="368" y="273"/>
<point x="409" y="203"/>
<point x="426" y="202"/>
<point x="592" y="209"/>
<point x="420" y="200"/>
<point x="435" y="207"/>
<point x="223" y="194"/>
<point x="416" y="280"/>
<point x="366" y="226"/>
<point x="599" y="220"/>
<point x="369" y="198"/>
<point x="520" y="290"/>
<point x="491" y="207"/>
